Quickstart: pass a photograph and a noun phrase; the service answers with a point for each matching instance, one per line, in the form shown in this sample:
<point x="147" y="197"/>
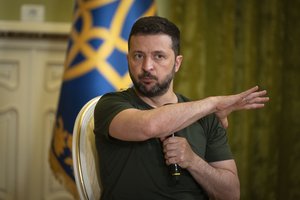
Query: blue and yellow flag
<point x="95" y="64"/>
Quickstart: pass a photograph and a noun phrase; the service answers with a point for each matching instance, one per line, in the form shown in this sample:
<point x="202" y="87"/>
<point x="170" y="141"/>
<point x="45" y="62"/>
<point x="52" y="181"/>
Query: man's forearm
<point x="159" y="122"/>
<point x="218" y="182"/>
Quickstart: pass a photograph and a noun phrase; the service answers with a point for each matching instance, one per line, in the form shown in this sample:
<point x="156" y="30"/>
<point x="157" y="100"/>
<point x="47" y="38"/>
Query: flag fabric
<point x="95" y="64"/>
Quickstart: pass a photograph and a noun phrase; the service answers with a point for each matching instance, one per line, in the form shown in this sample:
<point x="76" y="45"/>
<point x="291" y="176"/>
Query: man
<point x="132" y="127"/>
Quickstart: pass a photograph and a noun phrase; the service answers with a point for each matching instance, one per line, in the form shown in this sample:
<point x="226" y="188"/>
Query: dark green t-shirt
<point x="137" y="170"/>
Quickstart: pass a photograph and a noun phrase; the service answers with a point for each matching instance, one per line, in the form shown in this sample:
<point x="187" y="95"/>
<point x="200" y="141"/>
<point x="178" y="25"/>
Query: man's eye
<point x="138" y="56"/>
<point x="159" y="56"/>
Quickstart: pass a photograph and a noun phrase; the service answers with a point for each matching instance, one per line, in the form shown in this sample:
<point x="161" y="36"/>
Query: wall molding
<point x="34" y="30"/>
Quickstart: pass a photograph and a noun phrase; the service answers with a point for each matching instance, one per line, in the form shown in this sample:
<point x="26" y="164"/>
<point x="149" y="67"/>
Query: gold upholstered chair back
<point x="84" y="153"/>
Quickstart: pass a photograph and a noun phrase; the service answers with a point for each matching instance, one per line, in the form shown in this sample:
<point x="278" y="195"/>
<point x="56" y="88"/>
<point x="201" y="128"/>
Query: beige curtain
<point x="231" y="45"/>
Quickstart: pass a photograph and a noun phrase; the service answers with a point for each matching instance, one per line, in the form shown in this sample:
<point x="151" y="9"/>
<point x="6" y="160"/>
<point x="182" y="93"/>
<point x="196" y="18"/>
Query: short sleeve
<point x="217" y="148"/>
<point x="108" y="106"/>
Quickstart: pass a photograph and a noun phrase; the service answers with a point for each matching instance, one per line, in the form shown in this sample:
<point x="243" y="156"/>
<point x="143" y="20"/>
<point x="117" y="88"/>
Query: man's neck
<point x="168" y="98"/>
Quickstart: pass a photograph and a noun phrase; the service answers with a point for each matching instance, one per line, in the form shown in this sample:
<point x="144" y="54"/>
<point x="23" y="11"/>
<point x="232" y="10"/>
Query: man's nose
<point x="148" y="64"/>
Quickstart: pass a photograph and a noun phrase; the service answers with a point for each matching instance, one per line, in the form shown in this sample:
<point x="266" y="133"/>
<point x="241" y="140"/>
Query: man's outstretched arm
<point x="139" y="125"/>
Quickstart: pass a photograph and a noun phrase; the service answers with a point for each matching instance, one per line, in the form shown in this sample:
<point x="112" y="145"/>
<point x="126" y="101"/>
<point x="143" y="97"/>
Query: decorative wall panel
<point x="8" y="144"/>
<point x="9" y="74"/>
<point x="53" y="76"/>
<point x="30" y="78"/>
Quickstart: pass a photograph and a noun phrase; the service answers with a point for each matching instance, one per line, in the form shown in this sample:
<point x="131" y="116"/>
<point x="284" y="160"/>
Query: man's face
<point x="152" y="64"/>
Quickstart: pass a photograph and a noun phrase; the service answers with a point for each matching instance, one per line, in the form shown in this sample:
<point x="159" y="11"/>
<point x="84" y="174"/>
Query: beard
<point x="156" y="90"/>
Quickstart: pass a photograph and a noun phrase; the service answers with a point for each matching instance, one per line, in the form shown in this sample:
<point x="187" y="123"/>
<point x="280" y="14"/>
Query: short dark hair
<point x="156" y="25"/>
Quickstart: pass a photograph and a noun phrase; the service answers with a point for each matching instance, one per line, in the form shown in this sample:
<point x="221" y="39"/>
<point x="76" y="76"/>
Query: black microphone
<point x="175" y="169"/>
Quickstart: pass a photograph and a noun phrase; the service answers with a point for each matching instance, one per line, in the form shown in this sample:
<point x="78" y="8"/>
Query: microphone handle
<point x="174" y="169"/>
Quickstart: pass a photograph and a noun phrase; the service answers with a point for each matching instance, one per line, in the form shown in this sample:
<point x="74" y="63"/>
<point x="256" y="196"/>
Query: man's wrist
<point x="212" y="104"/>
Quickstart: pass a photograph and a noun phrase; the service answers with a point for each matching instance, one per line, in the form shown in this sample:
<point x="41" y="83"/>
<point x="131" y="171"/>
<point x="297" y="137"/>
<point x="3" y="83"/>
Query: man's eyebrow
<point x="137" y="51"/>
<point x="159" y="51"/>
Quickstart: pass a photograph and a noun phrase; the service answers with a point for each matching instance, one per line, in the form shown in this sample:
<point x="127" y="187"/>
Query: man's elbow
<point x="234" y="194"/>
<point x="229" y="194"/>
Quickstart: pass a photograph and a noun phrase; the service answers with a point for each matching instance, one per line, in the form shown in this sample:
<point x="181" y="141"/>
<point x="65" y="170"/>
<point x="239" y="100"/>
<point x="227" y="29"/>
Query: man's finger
<point x="249" y="91"/>
<point x="224" y="122"/>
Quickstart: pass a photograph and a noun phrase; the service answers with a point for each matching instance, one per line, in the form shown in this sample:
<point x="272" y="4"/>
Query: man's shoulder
<point x="182" y="98"/>
<point x="122" y="98"/>
<point x="119" y="96"/>
<point x="112" y="103"/>
<point x="119" y="93"/>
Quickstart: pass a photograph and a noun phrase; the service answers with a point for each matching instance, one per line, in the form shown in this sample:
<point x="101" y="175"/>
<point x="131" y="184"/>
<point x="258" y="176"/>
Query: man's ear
<point x="178" y="61"/>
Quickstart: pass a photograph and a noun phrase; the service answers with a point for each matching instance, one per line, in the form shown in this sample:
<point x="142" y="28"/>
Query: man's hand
<point x="177" y="150"/>
<point x="219" y="179"/>
<point x="249" y="99"/>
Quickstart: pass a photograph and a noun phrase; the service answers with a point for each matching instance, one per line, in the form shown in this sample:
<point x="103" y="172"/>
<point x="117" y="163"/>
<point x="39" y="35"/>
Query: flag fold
<point x="95" y="64"/>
